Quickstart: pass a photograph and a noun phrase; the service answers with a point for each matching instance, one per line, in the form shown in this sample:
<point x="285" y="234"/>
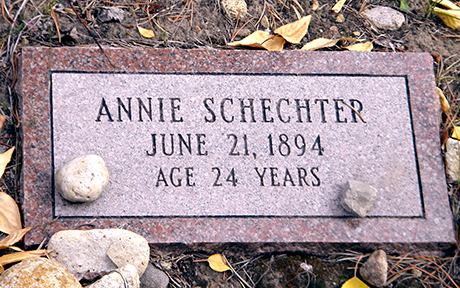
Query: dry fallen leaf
<point x="217" y="263"/>
<point x="354" y="283"/>
<point x="10" y="218"/>
<point x="2" y="121"/>
<point x="261" y="39"/>
<point x="320" y="43"/>
<point x="14" y="237"/>
<point x="5" y="158"/>
<point x="338" y="6"/>
<point x="450" y="17"/>
<point x="295" y="31"/>
<point x="70" y="11"/>
<point x="444" y="103"/>
<point x="456" y="133"/>
<point x="447" y="4"/>
<point x="315" y="5"/>
<point x="367" y="46"/>
<point x="19" y="256"/>
<point x="146" y="32"/>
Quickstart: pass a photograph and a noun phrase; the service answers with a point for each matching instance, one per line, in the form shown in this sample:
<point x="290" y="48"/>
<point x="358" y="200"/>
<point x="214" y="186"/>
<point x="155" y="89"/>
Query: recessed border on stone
<point x="36" y="187"/>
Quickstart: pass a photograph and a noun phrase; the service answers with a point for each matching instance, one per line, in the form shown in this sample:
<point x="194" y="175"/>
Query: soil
<point x="203" y="24"/>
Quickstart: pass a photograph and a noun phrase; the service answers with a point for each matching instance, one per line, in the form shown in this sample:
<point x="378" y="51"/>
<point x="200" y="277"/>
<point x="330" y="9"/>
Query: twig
<point x="234" y="272"/>
<point x="56" y="24"/>
<point x="83" y="21"/>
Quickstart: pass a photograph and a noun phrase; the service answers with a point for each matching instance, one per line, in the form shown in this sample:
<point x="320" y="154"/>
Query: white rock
<point x="107" y="14"/>
<point x="125" y="277"/>
<point x="358" y="197"/>
<point x="234" y="8"/>
<point x="374" y="271"/>
<point x="154" y="278"/>
<point x="453" y="159"/>
<point x="83" y="179"/>
<point x="86" y="251"/>
<point x="38" y="273"/>
<point x="384" y="17"/>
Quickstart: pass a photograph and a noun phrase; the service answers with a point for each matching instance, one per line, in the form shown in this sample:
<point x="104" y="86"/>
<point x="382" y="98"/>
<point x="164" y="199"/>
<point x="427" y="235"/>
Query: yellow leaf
<point x="367" y="46"/>
<point x="450" y="17"/>
<point x="320" y="43"/>
<point x="146" y="32"/>
<point x="5" y="158"/>
<point x="10" y="218"/>
<point x="261" y="39"/>
<point x="351" y="39"/>
<point x="354" y="283"/>
<point x="295" y="31"/>
<point x="70" y="11"/>
<point x="315" y="5"/>
<point x="19" y="256"/>
<point x="444" y="103"/>
<point x="456" y="133"/>
<point x="217" y="263"/>
<point x="338" y="6"/>
<point x="2" y="121"/>
<point x="447" y="4"/>
<point x="14" y="237"/>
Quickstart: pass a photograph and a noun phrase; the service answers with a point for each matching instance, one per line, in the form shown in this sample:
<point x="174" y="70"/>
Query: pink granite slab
<point x="434" y="225"/>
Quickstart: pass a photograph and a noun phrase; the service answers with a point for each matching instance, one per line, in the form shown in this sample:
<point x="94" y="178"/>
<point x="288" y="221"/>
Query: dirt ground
<point x="187" y="24"/>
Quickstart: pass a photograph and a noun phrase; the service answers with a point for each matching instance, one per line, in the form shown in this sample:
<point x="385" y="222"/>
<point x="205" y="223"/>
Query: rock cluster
<point x="99" y="250"/>
<point x="120" y="255"/>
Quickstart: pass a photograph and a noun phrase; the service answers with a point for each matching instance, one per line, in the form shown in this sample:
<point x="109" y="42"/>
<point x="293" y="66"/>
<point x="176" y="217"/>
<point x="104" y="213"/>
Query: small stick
<point x="3" y="12"/>
<point x="298" y="5"/>
<point x="56" y="23"/>
<point x="83" y="21"/>
<point x="239" y="30"/>
<point x="353" y="108"/>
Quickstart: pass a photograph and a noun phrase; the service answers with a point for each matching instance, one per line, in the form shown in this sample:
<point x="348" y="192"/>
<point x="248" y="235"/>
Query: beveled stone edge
<point x="399" y="64"/>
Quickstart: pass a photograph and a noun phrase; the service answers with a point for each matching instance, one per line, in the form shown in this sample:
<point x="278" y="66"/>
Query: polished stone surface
<point x="393" y="147"/>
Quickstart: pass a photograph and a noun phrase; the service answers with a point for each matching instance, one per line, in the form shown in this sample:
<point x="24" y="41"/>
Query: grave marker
<point x="237" y="146"/>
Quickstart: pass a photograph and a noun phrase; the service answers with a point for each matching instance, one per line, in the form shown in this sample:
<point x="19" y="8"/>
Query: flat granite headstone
<point x="236" y="146"/>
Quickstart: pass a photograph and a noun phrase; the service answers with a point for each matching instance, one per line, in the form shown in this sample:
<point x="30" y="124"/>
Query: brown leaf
<point x="315" y="5"/>
<point x="5" y="158"/>
<point x="456" y="132"/>
<point x="367" y="46"/>
<point x="217" y="263"/>
<point x="447" y="4"/>
<point x="338" y="6"/>
<point x="261" y="39"/>
<point x="450" y="17"/>
<point x="319" y="43"/>
<point x="444" y="103"/>
<point x="10" y="218"/>
<point x="295" y="31"/>
<point x="19" y="256"/>
<point x="2" y="121"/>
<point x="146" y="32"/>
<point x="14" y="237"/>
